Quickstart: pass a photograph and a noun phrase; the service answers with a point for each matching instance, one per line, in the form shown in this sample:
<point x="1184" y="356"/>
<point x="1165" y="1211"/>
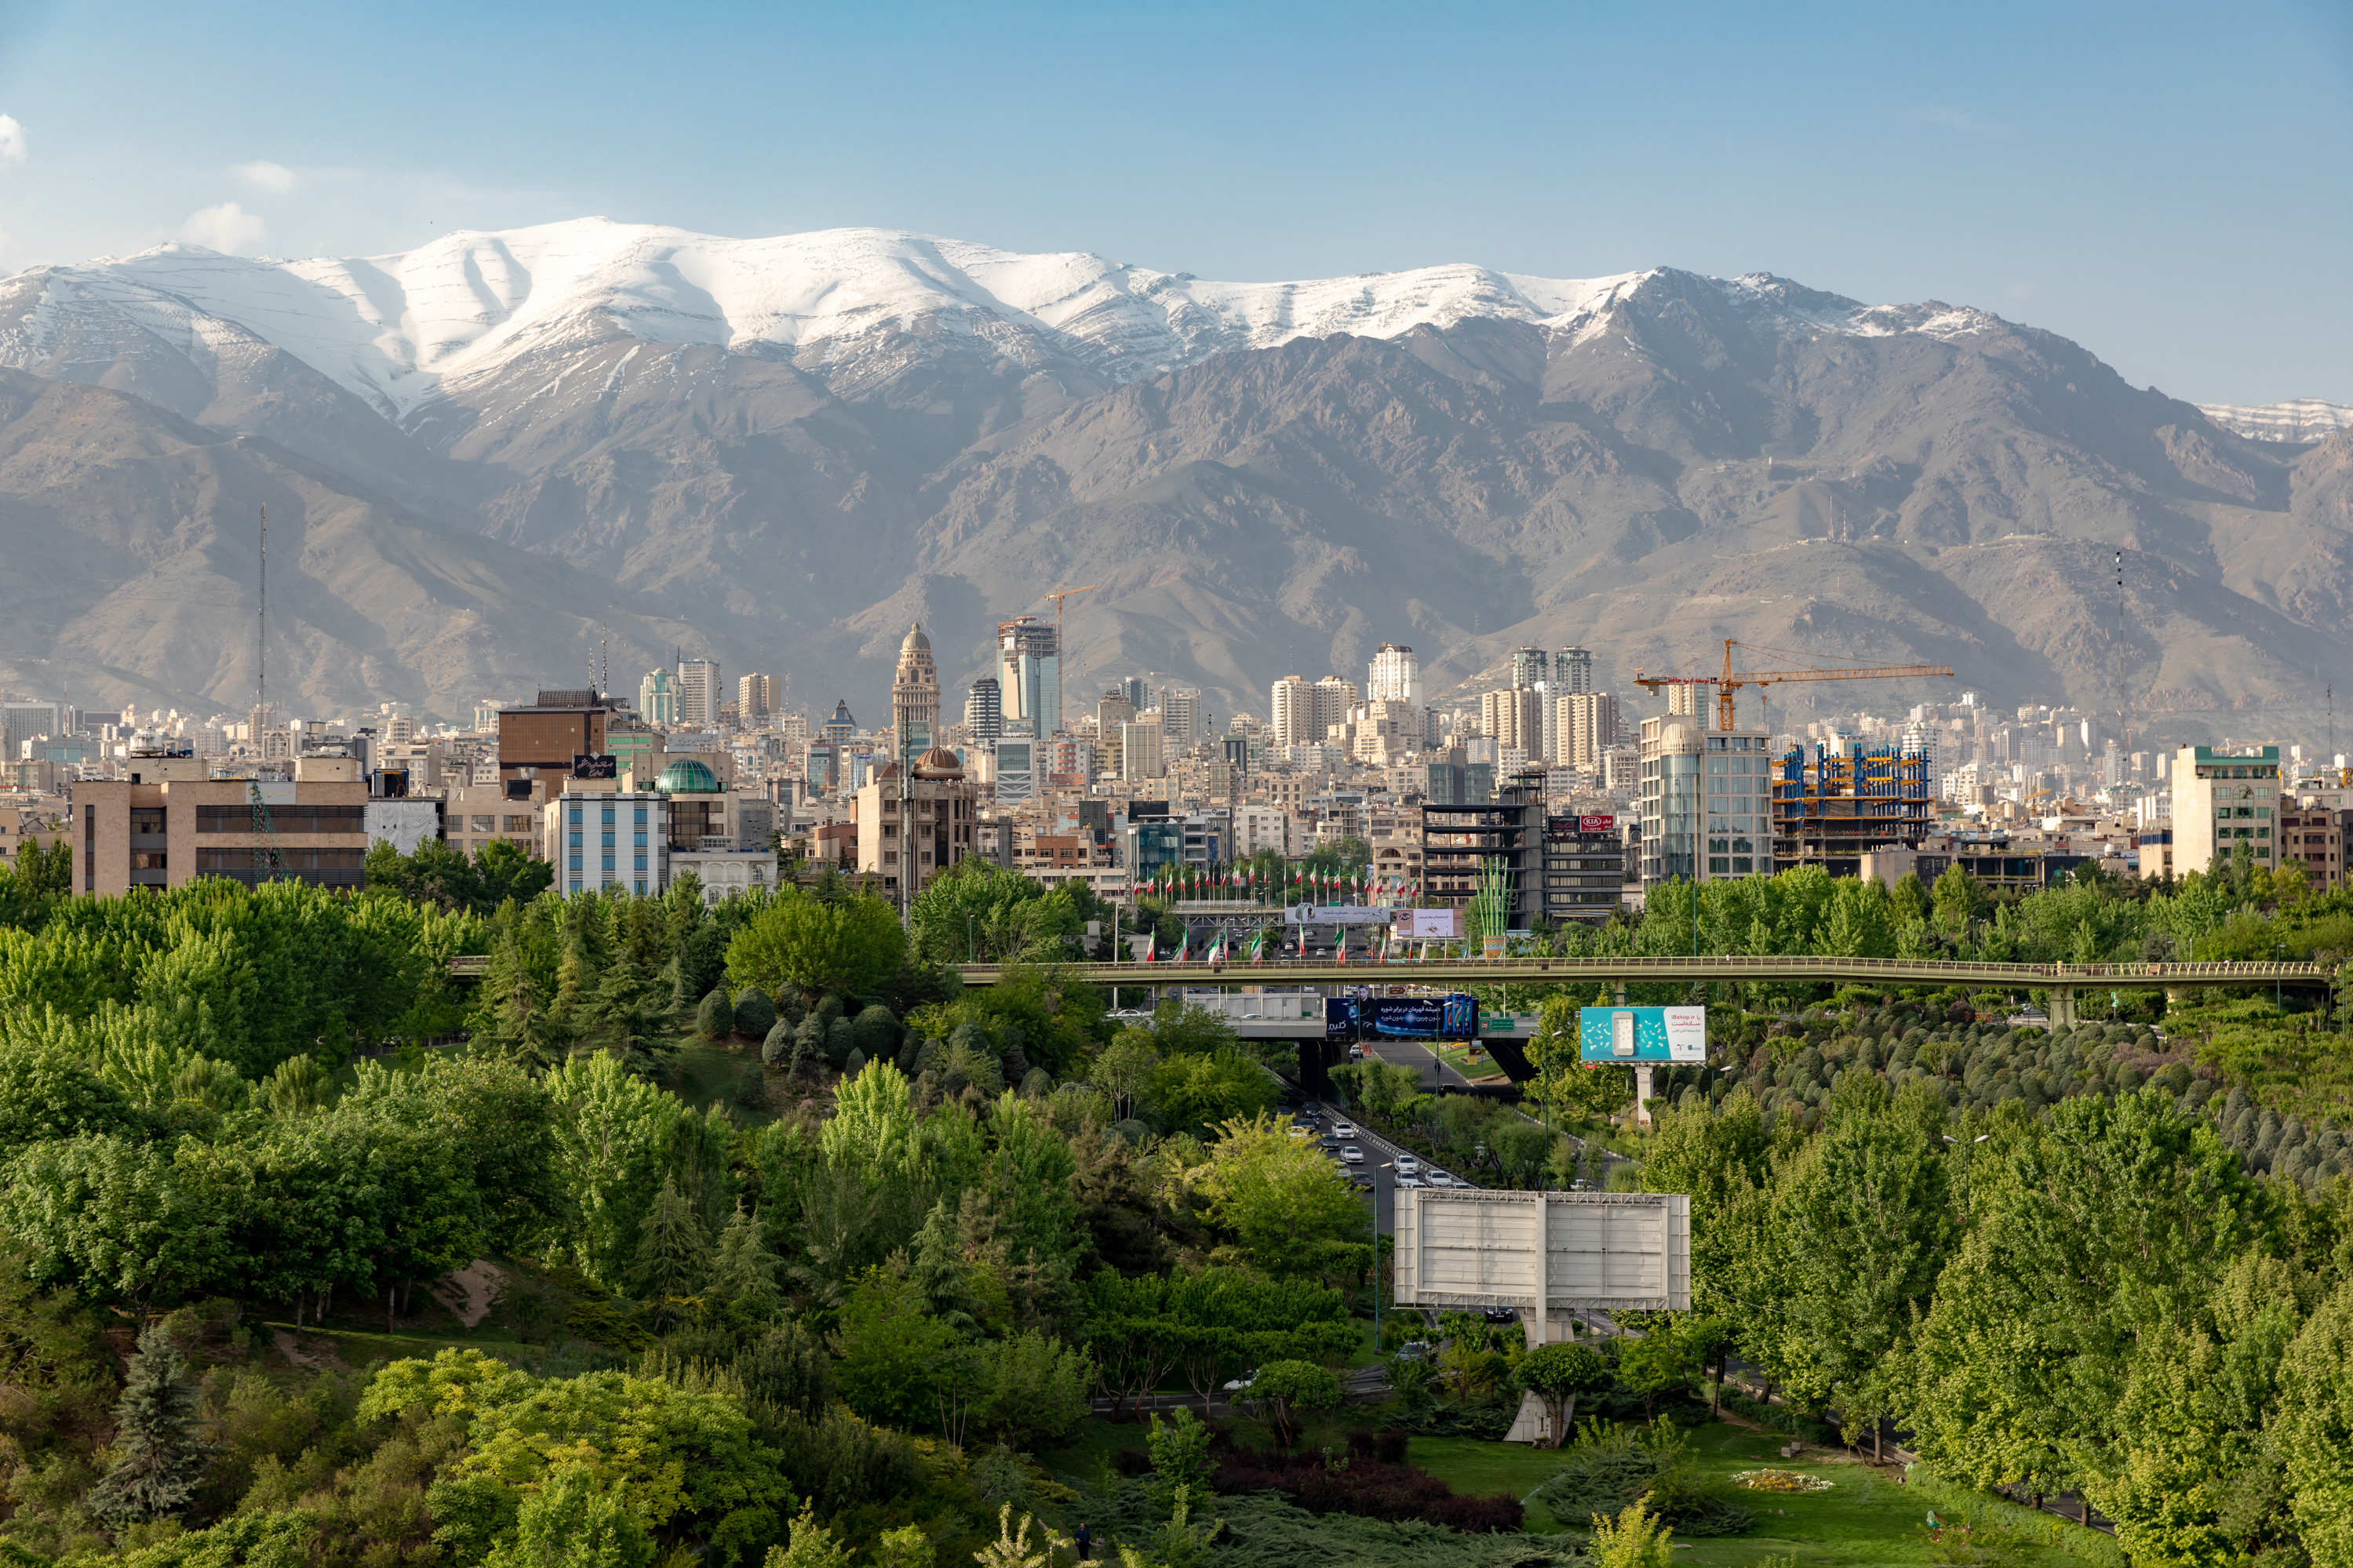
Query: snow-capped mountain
<point x="499" y="455"/>
<point x="2297" y="419"/>
<point x="401" y="330"/>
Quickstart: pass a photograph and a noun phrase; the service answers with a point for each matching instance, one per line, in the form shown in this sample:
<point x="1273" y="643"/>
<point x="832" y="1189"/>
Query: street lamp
<point x="1376" y="1257"/>
<point x="968" y="955"/>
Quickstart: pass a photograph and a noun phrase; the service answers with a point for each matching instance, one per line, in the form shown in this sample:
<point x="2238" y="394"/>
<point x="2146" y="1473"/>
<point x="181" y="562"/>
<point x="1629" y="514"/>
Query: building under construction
<point x="1827" y="812"/>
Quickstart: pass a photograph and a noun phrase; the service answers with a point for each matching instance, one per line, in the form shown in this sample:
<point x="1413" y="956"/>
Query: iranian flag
<point x="1258" y="948"/>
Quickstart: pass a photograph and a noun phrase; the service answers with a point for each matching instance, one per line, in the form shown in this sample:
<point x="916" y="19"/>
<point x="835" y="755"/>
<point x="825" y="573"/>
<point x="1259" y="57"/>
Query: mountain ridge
<point x="784" y="450"/>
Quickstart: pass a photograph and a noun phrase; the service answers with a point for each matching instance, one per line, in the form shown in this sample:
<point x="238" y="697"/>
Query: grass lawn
<point x="1471" y="1061"/>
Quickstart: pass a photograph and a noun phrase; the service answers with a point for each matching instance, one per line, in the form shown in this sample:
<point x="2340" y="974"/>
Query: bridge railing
<point x="2037" y="975"/>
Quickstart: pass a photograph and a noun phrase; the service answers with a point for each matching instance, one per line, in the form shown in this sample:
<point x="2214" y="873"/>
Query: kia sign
<point x="1641" y="1033"/>
<point x="1596" y="824"/>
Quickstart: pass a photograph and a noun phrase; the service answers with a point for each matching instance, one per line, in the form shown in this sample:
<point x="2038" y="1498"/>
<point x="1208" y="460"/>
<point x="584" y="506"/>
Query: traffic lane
<point x="1413" y="1054"/>
<point x="1380" y="1152"/>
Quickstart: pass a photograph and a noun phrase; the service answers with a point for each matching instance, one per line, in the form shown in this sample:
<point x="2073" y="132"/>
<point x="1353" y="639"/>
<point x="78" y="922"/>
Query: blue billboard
<point x="1641" y="1033"/>
<point x="1454" y="1017"/>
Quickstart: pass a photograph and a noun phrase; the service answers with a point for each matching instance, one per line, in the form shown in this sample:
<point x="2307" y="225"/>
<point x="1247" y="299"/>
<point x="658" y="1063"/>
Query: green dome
<point x="687" y="776"/>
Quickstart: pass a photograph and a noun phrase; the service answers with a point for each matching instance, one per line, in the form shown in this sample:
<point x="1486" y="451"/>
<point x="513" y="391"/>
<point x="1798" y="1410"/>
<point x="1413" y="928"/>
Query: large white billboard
<point x="1543" y="1251"/>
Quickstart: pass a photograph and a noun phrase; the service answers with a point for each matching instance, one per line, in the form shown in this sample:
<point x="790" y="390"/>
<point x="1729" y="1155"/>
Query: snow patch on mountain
<point x="404" y="330"/>
<point x="2297" y="419"/>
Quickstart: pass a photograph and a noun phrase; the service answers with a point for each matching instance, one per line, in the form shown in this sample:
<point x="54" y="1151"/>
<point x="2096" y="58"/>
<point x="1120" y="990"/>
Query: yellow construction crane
<point x="1730" y="682"/>
<point x="1057" y="596"/>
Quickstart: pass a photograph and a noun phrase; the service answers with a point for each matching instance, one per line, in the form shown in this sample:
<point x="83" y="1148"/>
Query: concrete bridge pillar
<point x="2063" y="1008"/>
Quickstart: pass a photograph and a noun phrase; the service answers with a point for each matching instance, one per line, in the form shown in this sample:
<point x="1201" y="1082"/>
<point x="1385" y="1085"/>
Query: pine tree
<point x="673" y="1257"/>
<point x="160" y="1455"/>
<point x="744" y="1269"/>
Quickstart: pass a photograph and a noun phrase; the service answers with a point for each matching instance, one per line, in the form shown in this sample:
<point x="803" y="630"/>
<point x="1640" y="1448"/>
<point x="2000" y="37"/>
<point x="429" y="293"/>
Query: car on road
<point x="1327" y="1142"/>
<point x="1362" y="1181"/>
<point x="1244" y="1381"/>
<point x="1502" y="1314"/>
<point x="1411" y="1182"/>
<point x="1342" y="1129"/>
<point x="1355" y="1053"/>
<point x="1352" y="1155"/>
<point x="1296" y="1130"/>
<point x="1129" y="1016"/>
<point x="1441" y="1179"/>
<point x="1407" y="1166"/>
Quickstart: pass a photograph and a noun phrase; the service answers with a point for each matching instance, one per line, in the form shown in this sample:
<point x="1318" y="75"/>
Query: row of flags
<point x="1220" y="948"/>
<point x="1309" y="887"/>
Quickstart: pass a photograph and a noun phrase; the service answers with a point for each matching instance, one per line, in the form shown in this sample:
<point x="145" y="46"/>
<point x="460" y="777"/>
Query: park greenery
<point x="741" y="1231"/>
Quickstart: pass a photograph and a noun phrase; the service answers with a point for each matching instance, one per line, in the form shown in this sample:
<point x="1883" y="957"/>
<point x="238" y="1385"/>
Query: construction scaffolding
<point x="1828" y="812"/>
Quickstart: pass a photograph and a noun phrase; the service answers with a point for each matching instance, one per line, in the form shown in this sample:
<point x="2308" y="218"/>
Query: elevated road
<point x="2062" y="981"/>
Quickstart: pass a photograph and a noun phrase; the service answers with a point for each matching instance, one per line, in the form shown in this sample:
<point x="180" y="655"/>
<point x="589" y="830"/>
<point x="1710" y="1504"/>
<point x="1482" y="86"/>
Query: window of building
<point x="485" y="823"/>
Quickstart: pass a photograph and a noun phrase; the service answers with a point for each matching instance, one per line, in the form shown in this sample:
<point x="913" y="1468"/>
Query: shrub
<point x="716" y="1018"/>
<point x="754" y="1013"/>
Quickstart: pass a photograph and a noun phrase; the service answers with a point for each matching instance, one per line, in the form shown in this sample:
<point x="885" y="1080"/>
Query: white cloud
<point x="228" y="228"/>
<point x="262" y="174"/>
<point x="12" y="140"/>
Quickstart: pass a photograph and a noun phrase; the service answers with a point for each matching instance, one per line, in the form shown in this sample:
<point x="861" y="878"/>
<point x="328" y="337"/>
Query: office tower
<point x="915" y="695"/>
<point x="1395" y="676"/>
<point x="1530" y="666"/>
<point x="701" y="693"/>
<point x="1030" y="675"/>
<point x="658" y="698"/>
<point x="755" y="700"/>
<point x="984" y="709"/>
<point x="1333" y="699"/>
<point x="1135" y="690"/>
<point x="1683" y="702"/>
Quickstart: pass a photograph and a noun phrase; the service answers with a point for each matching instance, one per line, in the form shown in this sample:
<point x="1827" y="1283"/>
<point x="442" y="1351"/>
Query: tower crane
<point x="1057" y="596"/>
<point x="1730" y="681"/>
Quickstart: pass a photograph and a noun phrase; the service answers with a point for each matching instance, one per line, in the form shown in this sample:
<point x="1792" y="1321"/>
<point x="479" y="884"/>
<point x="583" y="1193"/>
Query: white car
<point x="1296" y="1130"/>
<point x="1411" y="1182"/>
<point x="1441" y="1179"/>
<point x="1352" y="1155"/>
<point x="1407" y="1166"/>
<point x="1342" y="1129"/>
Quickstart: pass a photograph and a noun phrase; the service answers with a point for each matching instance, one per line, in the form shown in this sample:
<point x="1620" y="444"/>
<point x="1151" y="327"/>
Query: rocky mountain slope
<point x="782" y="450"/>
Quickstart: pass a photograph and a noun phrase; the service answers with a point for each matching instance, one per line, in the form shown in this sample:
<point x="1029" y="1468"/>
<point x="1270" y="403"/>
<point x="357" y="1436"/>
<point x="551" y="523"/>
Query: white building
<point x="701" y="693"/>
<point x="1395" y="676"/>
<point x="607" y="840"/>
<point x="1704" y="803"/>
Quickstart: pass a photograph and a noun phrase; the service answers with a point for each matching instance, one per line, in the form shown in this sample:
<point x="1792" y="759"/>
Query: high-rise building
<point x="1333" y="699"/>
<point x="20" y="722"/>
<point x="1017" y="761"/>
<point x="1706" y="802"/>
<point x="984" y="709"/>
<point x="1137" y="692"/>
<point x="2222" y="799"/>
<point x="1293" y="718"/>
<point x="701" y="693"/>
<point x="1587" y="724"/>
<point x="755" y="700"/>
<point x="1183" y="719"/>
<point x="1530" y="666"/>
<point x="658" y="698"/>
<point x="1140" y="754"/>
<point x="1029" y="674"/>
<point x="1572" y="672"/>
<point x="914" y="695"/>
<point x="1513" y="719"/>
<point x="1395" y="676"/>
<point x="1686" y="700"/>
<point x="841" y="726"/>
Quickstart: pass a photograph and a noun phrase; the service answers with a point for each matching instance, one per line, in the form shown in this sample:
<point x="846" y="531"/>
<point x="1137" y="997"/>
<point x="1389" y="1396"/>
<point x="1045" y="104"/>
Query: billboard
<point x="1546" y="1251"/>
<point x="1594" y="823"/>
<point x="1432" y="925"/>
<point x="587" y="767"/>
<point x="1641" y="1033"/>
<point x="1454" y="1017"/>
<point x="1336" y="915"/>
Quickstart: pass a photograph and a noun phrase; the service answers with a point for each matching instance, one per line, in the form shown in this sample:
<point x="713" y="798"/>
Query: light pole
<point x="1968" y="1150"/>
<point x="968" y="952"/>
<point x="1379" y="1182"/>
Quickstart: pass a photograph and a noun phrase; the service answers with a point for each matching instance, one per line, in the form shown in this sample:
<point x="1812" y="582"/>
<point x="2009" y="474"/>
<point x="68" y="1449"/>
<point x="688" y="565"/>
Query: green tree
<point x="1288" y="1208"/>
<point x="1180" y="1457"/>
<point x="159" y="1446"/>
<point x="846" y="948"/>
<point x="892" y="1347"/>
<point x="1195" y="1093"/>
<point x="1285" y="1391"/>
<point x="813" y="1546"/>
<point x="2316" y="1430"/>
<point x="744" y="1271"/>
<point x="570" y="1520"/>
<point x="1559" y="1374"/>
<point x="714" y="1019"/>
<point x="673" y="1254"/>
<point x="1653" y="1365"/>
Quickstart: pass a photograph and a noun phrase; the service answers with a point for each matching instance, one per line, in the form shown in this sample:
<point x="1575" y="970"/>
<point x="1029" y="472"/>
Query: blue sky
<point x="2165" y="182"/>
